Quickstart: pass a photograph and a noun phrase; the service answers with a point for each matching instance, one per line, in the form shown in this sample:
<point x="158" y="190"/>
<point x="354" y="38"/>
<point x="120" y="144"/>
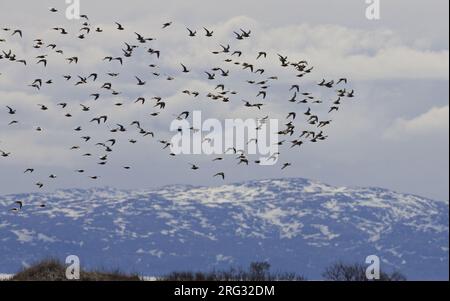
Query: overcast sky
<point x="394" y="134"/>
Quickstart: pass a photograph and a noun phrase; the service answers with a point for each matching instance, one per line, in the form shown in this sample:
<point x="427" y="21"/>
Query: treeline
<point x="260" y="271"/>
<point x="54" y="270"/>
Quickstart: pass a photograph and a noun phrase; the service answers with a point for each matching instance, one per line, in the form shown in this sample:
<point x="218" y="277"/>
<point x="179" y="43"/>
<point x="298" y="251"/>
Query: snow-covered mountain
<point x="297" y="225"/>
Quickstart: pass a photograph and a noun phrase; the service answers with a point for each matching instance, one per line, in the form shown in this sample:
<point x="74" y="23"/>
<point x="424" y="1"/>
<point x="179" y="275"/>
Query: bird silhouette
<point x="208" y="33"/>
<point x="104" y="97"/>
<point x="192" y="33"/>
<point x="220" y="174"/>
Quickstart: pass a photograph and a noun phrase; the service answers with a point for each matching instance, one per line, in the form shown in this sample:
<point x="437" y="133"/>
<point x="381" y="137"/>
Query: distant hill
<point x="296" y="225"/>
<point x="54" y="270"/>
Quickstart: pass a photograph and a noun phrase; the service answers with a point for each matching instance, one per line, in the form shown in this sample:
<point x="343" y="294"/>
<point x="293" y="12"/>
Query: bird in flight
<point x="192" y="33"/>
<point x="165" y="25"/>
<point x="220" y="174"/>
<point x="140" y="82"/>
<point x="102" y="104"/>
<point x="119" y="26"/>
<point x="18" y="32"/>
<point x="208" y="33"/>
<point x="185" y="69"/>
<point x="20" y="203"/>
<point x="194" y="167"/>
<point x="11" y="111"/>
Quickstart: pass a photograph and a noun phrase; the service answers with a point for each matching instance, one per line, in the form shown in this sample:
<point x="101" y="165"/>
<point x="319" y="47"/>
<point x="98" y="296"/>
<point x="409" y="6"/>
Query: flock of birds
<point x="290" y="135"/>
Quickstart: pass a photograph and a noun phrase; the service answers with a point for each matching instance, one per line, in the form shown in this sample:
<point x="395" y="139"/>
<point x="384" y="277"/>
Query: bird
<point x="153" y="51"/>
<point x="43" y="107"/>
<point x="4" y="154"/>
<point x="294" y="98"/>
<point x="237" y="52"/>
<point x="192" y="33"/>
<point x="20" y="203"/>
<point x="308" y="112"/>
<point x="286" y="165"/>
<point x="100" y="119"/>
<point x="341" y="80"/>
<point x="262" y="93"/>
<point x="183" y="115"/>
<point x="61" y="30"/>
<point x="11" y="111"/>
<point x="261" y="54"/>
<point x="245" y="34"/>
<point x="73" y="59"/>
<point x="140" y="82"/>
<point x="296" y="143"/>
<point x="17" y="31"/>
<point x="220" y="174"/>
<point x="194" y="167"/>
<point x="208" y="33"/>
<point x="351" y="94"/>
<point x="333" y="108"/>
<point x="185" y="69"/>
<point x="292" y="115"/>
<point x="140" y="99"/>
<point x="238" y="36"/>
<point x="43" y="61"/>
<point x="295" y="87"/>
<point x="119" y="26"/>
<point x="94" y="76"/>
<point x="211" y="76"/>
<point x="225" y="49"/>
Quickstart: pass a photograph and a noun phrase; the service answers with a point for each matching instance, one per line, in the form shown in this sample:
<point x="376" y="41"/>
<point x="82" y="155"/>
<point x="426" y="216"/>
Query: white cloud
<point x="434" y="121"/>
<point x="360" y="54"/>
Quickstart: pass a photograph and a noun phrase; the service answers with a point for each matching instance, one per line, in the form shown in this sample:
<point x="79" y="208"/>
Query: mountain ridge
<point x="296" y="224"/>
<point x="191" y="186"/>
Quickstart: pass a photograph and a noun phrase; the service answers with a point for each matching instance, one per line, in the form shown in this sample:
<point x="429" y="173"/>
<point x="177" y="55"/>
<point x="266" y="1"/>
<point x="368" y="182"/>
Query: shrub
<point x="356" y="272"/>
<point x="257" y="271"/>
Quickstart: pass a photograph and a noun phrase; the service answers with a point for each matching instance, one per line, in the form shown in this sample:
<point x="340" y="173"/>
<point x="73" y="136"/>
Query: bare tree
<point x="356" y="272"/>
